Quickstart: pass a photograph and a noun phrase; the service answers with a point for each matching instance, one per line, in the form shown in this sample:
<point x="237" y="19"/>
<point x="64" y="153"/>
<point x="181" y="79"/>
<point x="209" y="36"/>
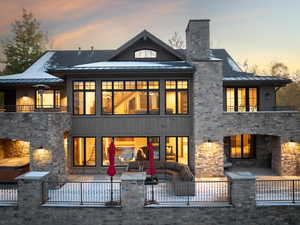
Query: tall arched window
<point x="145" y="53"/>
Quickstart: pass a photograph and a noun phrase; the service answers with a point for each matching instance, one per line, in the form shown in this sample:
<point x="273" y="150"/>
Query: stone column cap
<point x="34" y="175"/>
<point x="133" y="176"/>
<point x="240" y="175"/>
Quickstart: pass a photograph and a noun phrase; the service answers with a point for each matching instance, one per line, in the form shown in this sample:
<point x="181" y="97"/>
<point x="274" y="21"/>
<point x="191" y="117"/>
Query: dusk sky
<point x="258" y="30"/>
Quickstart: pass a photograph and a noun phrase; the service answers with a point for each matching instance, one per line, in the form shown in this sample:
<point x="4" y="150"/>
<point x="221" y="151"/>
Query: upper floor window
<point x="145" y="53"/>
<point x="84" y="97"/>
<point x="242" y="146"/>
<point x="130" y="97"/>
<point x="241" y="99"/>
<point x="46" y="99"/>
<point x="177" y="97"/>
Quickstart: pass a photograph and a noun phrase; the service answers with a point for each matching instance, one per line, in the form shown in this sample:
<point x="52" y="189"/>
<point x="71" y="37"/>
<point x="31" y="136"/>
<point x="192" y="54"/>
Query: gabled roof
<point x="145" y="34"/>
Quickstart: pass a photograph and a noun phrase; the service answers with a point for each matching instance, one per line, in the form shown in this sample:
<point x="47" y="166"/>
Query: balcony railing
<point x="8" y="192"/>
<point x="278" y="191"/>
<point x="81" y="193"/>
<point x="189" y="193"/>
<point x="32" y="108"/>
<point x="255" y="109"/>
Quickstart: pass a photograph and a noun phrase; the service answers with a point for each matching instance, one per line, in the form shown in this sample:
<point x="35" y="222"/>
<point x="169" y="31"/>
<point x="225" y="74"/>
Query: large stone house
<point x="195" y="105"/>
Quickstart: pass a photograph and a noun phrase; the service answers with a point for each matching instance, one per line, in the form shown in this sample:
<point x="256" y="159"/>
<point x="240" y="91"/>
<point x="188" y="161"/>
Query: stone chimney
<point x="197" y="40"/>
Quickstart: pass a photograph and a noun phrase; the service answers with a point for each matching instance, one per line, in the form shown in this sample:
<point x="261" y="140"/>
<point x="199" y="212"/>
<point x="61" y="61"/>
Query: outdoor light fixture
<point x="209" y="143"/>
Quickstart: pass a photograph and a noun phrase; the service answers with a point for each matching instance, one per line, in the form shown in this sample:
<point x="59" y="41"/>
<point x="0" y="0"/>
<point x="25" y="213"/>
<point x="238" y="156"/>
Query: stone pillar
<point x="207" y="101"/>
<point x="30" y="190"/>
<point x="207" y="118"/>
<point x="242" y="191"/>
<point x="289" y="154"/>
<point x="133" y="197"/>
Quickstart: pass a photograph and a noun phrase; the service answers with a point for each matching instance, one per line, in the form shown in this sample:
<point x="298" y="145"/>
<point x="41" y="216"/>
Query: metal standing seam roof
<point x="121" y="66"/>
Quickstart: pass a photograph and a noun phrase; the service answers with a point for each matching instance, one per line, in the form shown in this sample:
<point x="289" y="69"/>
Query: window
<point x="46" y="99"/>
<point x="84" y="98"/>
<point x="145" y="53"/>
<point x="242" y="146"/>
<point x="130" y="97"/>
<point x="241" y="99"/>
<point x="129" y="149"/>
<point x="177" y="97"/>
<point x="84" y="151"/>
<point x="1" y="98"/>
<point x="177" y="149"/>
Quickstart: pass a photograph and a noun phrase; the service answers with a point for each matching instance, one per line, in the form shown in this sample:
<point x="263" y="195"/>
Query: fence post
<point x="30" y="189"/>
<point x="132" y="194"/>
<point x="242" y="189"/>
<point x="294" y="191"/>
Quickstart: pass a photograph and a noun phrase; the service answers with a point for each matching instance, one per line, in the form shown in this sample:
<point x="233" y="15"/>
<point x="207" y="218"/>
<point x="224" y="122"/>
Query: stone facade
<point x="44" y="130"/>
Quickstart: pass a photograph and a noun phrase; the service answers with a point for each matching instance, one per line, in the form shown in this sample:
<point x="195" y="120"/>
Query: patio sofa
<point x="182" y="178"/>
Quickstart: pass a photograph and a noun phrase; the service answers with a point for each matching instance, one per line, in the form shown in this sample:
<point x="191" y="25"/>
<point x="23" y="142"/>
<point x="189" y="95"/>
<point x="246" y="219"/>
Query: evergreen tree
<point x="27" y="43"/>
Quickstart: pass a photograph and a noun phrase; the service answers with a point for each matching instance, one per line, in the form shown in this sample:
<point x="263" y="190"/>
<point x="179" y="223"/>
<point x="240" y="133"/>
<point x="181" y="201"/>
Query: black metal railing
<point x="255" y="108"/>
<point x="188" y="193"/>
<point x="31" y="108"/>
<point x="278" y="191"/>
<point x="82" y="193"/>
<point x="8" y="192"/>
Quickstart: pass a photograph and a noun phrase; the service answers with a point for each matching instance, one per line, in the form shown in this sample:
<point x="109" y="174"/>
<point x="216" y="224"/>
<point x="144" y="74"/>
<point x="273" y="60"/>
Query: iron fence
<point x="82" y="193"/>
<point x="278" y="190"/>
<point x="32" y="108"/>
<point x="8" y="192"/>
<point x="188" y="193"/>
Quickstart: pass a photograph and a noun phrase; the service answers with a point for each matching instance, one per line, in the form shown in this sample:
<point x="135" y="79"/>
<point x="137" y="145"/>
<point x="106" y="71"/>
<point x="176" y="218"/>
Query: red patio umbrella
<point x="111" y="171"/>
<point x="151" y="170"/>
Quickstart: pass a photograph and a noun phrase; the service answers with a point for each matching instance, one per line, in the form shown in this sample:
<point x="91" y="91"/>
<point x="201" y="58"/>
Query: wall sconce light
<point x="209" y="143"/>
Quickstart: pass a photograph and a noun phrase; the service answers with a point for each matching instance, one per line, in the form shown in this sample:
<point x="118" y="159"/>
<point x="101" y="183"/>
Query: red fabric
<point x="151" y="170"/>
<point x="111" y="171"/>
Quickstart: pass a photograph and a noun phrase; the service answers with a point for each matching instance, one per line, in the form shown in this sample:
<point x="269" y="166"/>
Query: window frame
<point x="176" y="90"/>
<point x="188" y="151"/>
<point x="145" y="58"/>
<point x="236" y="107"/>
<point x="147" y="90"/>
<point x="113" y="137"/>
<point x="252" y="148"/>
<point x="84" y="151"/>
<point x="84" y="90"/>
<point x="55" y="105"/>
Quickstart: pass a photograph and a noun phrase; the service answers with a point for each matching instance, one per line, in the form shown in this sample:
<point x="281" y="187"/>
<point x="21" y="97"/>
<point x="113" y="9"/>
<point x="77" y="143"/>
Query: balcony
<point x="31" y="108"/>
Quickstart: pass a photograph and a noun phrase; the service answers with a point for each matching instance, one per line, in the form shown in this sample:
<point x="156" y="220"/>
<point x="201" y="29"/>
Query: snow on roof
<point x="126" y="64"/>
<point x="35" y="71"/>
<point x="233" y="65"/>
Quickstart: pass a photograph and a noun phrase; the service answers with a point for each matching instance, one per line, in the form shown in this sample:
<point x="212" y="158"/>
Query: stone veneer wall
<point x="41" y="130"/>
<point x="283" y="126"/>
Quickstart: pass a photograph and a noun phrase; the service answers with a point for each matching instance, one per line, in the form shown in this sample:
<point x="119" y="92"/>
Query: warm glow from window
<point x="130" y="97"/>
<point x="230" y="100"/>
<point x="47" y="99"/>
<point x="84" y="99"/>
<point x="177" y="149"/>
<point x="84" y="152"/>
<point x="145" y="53"/>
<point x="241" y="146"/>
<point x="241" y="99"/>
<point x="176" y="96"/>
<point x="129" y="149"/>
